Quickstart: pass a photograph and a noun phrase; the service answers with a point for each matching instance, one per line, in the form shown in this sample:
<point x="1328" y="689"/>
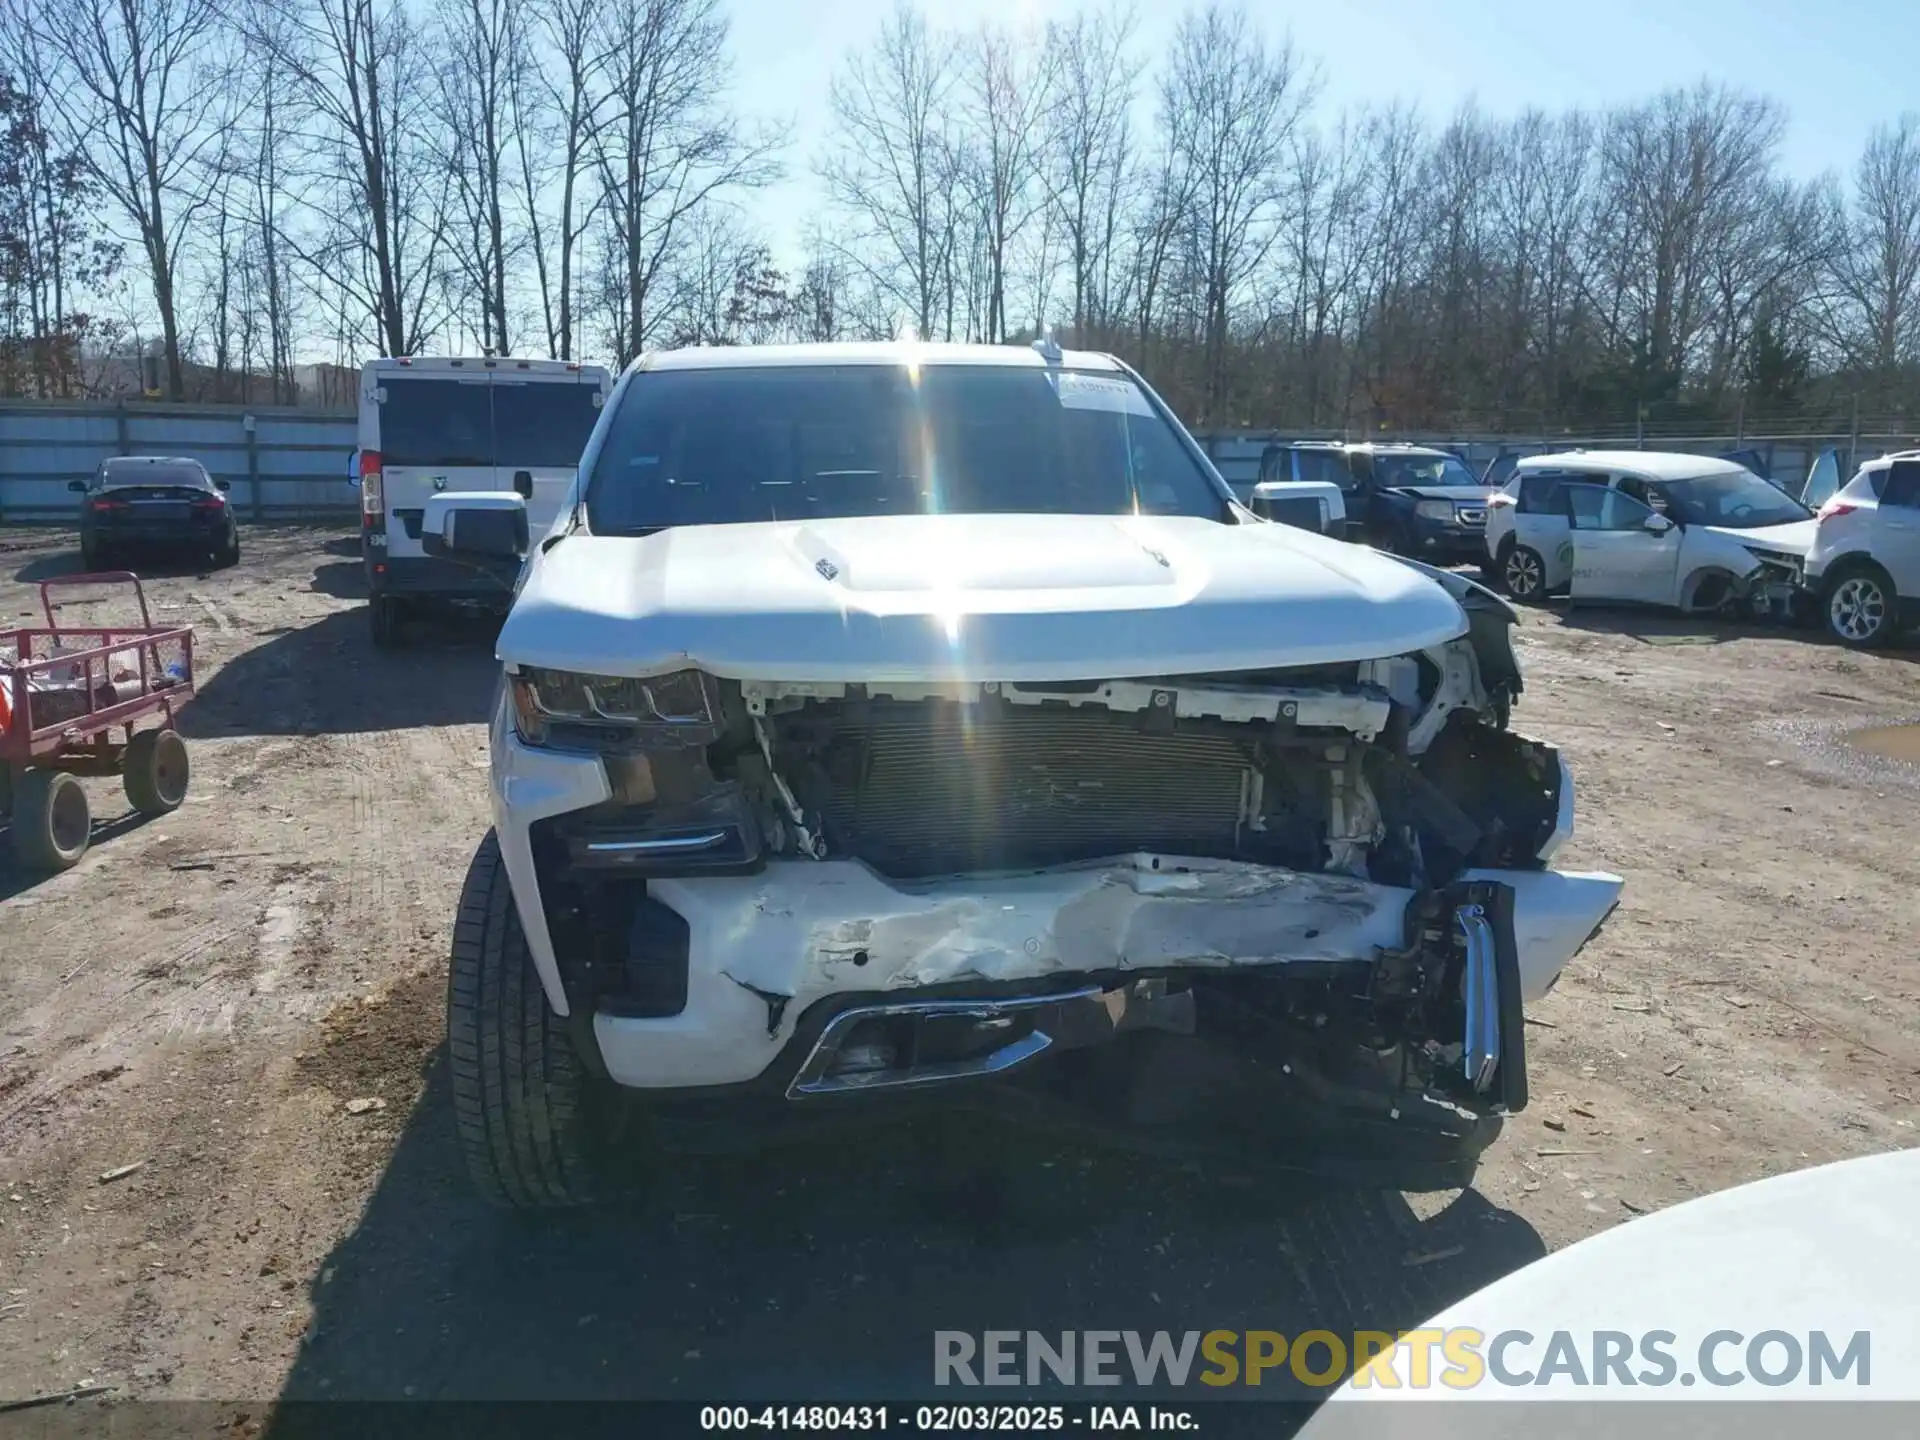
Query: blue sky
<point x="1841" y="66"/>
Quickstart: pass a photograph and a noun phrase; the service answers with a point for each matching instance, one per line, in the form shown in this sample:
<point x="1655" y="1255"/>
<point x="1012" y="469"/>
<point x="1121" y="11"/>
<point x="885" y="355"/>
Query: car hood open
<point x="933" y="598"/>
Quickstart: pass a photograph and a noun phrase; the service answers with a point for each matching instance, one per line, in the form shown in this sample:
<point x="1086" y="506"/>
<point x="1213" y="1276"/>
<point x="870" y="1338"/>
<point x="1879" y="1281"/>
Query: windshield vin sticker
<point x="1092" y="392"/>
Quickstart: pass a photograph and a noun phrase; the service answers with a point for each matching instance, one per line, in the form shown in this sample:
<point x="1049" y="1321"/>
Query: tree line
<point x="232" y="186"/>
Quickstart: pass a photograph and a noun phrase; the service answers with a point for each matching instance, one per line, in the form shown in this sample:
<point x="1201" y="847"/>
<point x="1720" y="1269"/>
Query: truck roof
<point x="467" y="364"/>
<point x="885" y="352"/>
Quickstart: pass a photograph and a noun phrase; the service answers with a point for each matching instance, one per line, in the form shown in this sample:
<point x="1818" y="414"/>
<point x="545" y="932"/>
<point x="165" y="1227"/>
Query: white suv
<point x="1865" y="562"/>
<point x="1687" y="532"/>
<point x="929" y="724"/>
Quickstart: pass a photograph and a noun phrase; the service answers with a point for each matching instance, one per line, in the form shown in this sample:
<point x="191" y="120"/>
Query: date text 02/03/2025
<point x="942" y="1419"/>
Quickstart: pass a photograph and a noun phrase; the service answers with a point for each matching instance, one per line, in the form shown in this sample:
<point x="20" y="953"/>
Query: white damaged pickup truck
<point x="898" y="725"/>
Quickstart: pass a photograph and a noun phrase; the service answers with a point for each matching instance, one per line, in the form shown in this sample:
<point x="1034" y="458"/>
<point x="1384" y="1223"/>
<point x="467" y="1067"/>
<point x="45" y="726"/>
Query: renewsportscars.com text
<point x="1460" y="1358"/>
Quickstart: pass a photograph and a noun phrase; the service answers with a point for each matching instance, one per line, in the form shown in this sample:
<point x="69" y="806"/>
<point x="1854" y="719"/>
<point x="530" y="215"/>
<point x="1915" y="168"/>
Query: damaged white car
<point x="928" y="725"/>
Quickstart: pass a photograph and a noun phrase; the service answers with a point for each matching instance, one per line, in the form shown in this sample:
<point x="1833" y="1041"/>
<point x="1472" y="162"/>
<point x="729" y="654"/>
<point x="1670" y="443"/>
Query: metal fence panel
<point x="281" y="464"/>
<point x="293" y="464"/>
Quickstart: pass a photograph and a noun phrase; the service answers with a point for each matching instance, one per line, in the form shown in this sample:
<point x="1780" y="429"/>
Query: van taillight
<point x="371" y="495"/>
<point x="1833" y="509"/>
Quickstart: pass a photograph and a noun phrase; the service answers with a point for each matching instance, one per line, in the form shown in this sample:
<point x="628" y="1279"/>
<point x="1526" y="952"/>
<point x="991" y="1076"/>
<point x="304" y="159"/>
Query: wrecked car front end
<point x="1292" y="912"/>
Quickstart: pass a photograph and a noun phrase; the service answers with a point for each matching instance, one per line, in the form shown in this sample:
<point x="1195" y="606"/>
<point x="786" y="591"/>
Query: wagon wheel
<point x="155" y="771"/>
<point x="52" y="822"/>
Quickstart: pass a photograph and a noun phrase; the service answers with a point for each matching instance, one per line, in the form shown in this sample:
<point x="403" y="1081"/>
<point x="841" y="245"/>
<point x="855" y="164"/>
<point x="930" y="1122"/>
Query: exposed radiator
<point x="925" y="788"/>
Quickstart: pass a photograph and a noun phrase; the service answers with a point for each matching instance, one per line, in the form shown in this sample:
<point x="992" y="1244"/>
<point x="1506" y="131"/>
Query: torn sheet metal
<point x="837" y="926"/>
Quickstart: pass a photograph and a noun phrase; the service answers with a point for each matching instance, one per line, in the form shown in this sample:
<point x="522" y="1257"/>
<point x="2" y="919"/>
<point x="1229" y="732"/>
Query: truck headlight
<point x="676" y="708"/>
<point x="1434" y="510"/>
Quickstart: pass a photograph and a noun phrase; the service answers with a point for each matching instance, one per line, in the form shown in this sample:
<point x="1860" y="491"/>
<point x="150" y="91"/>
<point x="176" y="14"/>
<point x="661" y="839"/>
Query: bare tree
<point x="1539" y="202"/>
<point x="572" y="94"/>
<point x="1087" y="144"/>
<point x="362" y="72"/>
<point x="479" y="78"/>
<point x="1235" y="103"/>
<point x="136" y="102"/>
<point x="1877" y="273"/>
<point x="667" y="144"/>
<point x="1672" y="173"/>
<point x="888" y="165"/>
<point x="1008" y="92"/>
<point x="722" y="288"/>
<point x="1326" y="251"/>
<point x="271" y="281"/>
<point x="51" y="252"/>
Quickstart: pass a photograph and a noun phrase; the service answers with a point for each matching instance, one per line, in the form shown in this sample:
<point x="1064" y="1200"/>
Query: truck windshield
<point x="1738" y="499"/>
<point x="729" y="445"/>
<point x="1440" y="471"/>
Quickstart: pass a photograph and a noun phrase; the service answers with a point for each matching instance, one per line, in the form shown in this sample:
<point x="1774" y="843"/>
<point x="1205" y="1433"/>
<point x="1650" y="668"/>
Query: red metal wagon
<point x="65" y="690"/>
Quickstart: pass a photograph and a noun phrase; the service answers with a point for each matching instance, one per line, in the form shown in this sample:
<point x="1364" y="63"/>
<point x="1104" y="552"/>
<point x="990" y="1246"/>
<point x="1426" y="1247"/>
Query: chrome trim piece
<point x="1064" y="1021"/>
<point x="1481" y="1053"/>
<point x="670" y="844"/>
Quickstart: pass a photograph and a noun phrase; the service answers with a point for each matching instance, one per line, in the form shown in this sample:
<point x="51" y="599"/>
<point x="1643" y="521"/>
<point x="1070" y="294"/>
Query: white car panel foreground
<point x="930" y="724"/>
<point x="1803" y="1287"/>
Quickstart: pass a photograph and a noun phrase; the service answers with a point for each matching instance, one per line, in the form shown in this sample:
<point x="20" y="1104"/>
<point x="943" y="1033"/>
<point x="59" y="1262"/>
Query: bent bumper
<point x="428" y="577"/>
<point x="770" y="952"/>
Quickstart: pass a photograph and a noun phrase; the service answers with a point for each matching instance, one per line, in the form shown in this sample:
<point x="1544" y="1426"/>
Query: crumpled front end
<point x="1292" y="913"/>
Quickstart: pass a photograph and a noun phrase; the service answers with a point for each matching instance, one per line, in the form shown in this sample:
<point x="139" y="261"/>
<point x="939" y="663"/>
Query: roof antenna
<point x="1048" y="347"/>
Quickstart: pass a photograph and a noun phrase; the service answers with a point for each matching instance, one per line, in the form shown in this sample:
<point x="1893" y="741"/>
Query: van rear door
<point x="436" y="433"/>
<point x="540" y="426"/>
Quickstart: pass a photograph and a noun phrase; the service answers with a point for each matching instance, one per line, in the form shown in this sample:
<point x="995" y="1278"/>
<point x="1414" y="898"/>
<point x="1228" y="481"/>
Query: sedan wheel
<point x="1858" y="609"/>
<point x="1524" y="573"/>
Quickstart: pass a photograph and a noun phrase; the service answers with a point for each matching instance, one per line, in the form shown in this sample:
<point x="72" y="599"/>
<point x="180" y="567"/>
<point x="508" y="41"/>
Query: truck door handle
<point x="523" y="484"/>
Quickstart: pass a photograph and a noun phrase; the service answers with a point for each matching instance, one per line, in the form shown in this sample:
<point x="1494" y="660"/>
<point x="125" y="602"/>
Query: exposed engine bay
<point x="1274" y="867"/>
<point x="1398" y="771"/>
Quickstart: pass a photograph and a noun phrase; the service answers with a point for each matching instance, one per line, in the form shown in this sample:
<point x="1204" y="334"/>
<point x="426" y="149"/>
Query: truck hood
<point x="949" y="598"/>
<point x="1794" y="538"/>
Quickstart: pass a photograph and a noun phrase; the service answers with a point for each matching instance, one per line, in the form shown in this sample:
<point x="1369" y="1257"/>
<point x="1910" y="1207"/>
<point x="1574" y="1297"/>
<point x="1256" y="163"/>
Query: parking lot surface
<point x="205" y="994"/>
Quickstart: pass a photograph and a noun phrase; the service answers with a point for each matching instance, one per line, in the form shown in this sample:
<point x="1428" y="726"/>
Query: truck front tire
<point x="516" y="1078"/>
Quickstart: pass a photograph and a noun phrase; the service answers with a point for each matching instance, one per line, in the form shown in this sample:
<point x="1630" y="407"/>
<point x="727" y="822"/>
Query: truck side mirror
<point x="480" y="523"/>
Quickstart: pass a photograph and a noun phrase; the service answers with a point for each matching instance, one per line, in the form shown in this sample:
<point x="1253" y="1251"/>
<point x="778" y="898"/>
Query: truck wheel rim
<point x="1523" y="573"/>
<point x="1858" y="609"/>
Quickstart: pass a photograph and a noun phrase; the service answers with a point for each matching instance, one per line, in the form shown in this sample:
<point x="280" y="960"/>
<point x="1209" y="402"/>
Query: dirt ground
<point x="205" y="994"/>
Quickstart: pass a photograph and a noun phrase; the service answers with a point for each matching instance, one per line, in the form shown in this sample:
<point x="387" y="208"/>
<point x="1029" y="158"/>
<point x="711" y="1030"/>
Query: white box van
<point x="430" y="424"/>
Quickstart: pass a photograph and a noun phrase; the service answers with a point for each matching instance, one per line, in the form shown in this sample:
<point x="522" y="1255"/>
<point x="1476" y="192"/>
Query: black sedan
<point x="153" y="500"/>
